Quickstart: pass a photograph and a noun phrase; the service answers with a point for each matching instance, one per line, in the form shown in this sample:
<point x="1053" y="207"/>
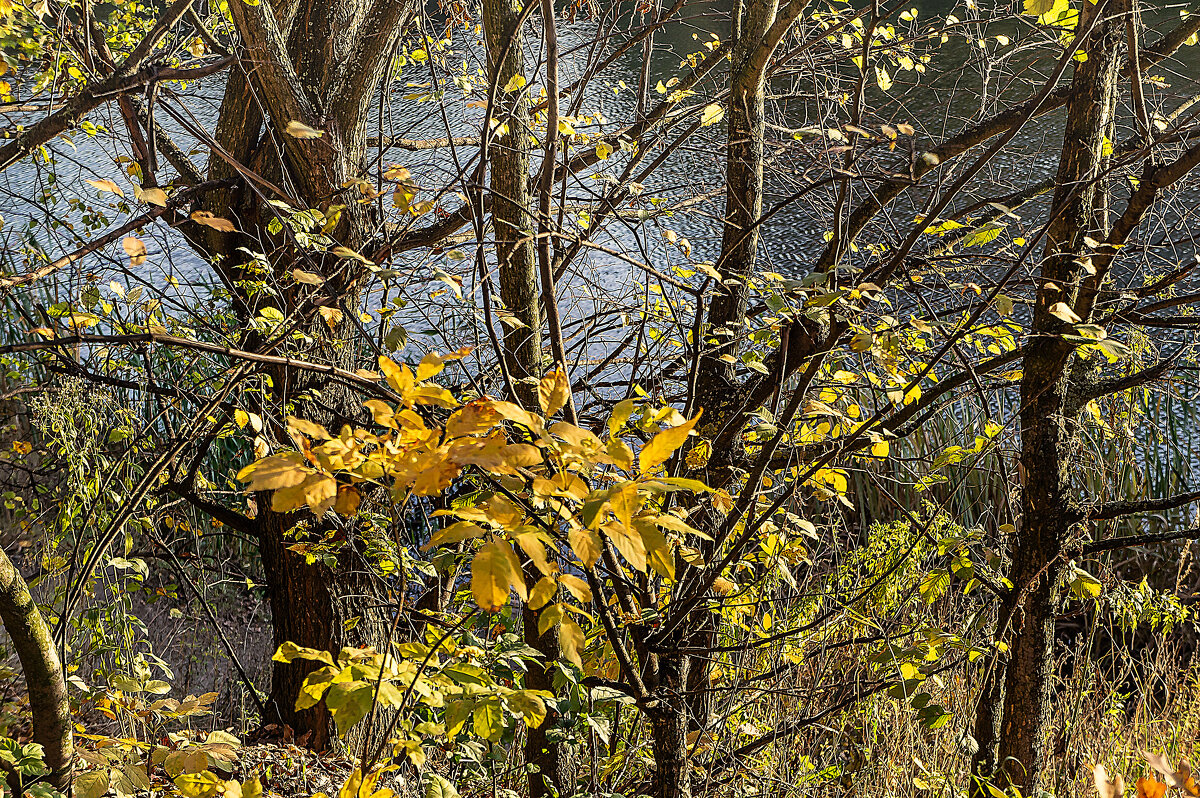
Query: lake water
<point x="936" y="104"/>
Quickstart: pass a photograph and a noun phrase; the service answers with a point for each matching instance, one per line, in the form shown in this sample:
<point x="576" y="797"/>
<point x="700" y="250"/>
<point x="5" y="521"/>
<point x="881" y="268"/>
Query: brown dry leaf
<point x="308" y="278"/>
<point x="215" y="222"/>
<point x="300" y="130"/>
<point x="348" y="500"/>
<point x="1178" y="777"/>
<point x="332" y="316"/>
<point x="1063" y="311"/>
<point x="1114" y="788"/>
<point x="151" y="196"/>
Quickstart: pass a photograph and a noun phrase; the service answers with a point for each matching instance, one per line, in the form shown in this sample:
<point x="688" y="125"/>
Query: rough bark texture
<point x="317" y="62"/>
<point x="512" y="219"/>
<point x="669" y="728"/>
<point x="52" y="724"/>
<point x="549" y="763"/>
<point x="1014" y="742"/>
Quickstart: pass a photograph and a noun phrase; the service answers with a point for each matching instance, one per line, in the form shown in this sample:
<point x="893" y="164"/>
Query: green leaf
<point x="92" y="784"/>
<point x="488" y="719"/>
<point x="349" y="703"/>
<point x="983" y="235"/>
<point x="438" y="787"/>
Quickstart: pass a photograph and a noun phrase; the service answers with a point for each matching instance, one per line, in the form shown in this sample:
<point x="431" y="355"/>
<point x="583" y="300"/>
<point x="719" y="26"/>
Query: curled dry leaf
<point x="1179" y="777"/>
<point x="308" y="278"/>
<point x="1063" y="311"/>
<point x="151" y="196"/>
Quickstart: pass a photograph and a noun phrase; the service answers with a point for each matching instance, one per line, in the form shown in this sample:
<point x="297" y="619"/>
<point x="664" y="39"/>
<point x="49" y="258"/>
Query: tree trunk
<point x="316" y="62"/>
<point x="669" y="728"/>
<point x="1015" y="743"/>
<point x="48" y="704"/>
<point x="512" y="219"/>
<point x="553" y="774"/>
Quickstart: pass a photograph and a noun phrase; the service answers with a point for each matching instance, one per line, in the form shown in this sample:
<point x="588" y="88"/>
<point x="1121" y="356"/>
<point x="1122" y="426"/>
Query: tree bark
<point x="669" y="728"/>
<point x="553" y="773"/>
<point x="1014" y="742"/>
<point x="52" y="725"/>
<point x="512" y="218"/>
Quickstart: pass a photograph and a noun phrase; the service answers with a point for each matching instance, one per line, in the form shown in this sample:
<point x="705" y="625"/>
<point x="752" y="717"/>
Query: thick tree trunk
<point x="317" y="62"/>
<point x="549" y="762"/>
<point x="1015" y="742"/>
<point x="52" y="726"/>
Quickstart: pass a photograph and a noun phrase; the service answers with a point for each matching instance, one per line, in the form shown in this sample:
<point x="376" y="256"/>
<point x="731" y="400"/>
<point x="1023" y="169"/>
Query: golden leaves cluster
<point x="552" y="495"/>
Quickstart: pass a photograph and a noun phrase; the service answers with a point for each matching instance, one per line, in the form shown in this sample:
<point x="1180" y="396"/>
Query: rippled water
<point x="937" y="104"/>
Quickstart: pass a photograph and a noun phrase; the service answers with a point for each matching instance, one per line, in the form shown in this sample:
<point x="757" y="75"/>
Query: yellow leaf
<point x="585" y="543"/>
<point x="664" y="444"/>
<point x="577" y="587"/>
<point x="459" y="530"/>
<point x="542" y="593"/>
<point x="356" y="786"/>
<point x="347" y="501"/>
<point x="215" y="222"/>
<point x="628" y="542"/>
<point x="571" y="640"/>
<point x="697" y="456"/>
<point x="515" y="83"/>
<point x="603" y="150"/>
<point x="107" y="185"/>
<point x="620" y="414"/>
<point x="135" y="249"/>
<point x="530" y="542"/>
<point x="621" y="454"/>
<point x="711" y="115"/>
<point x="624" y="502"/>
<point x="318" y="491"/>
<point x="554" y="391"/>
<point x="658" y="550"/>
<point x="430" y="366"/>
<point x="398" y="376"/>
<point x="494" y="571"/>
<point x="307" y="428"/>
<point x="882" y="78"/>
<point x="278" y="471"/>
